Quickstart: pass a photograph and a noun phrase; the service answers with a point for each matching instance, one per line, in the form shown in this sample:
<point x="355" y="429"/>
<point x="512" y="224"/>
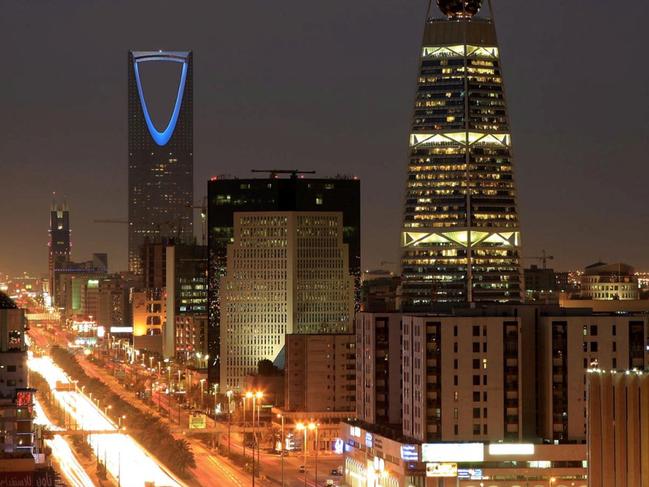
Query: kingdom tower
<point x="461" y="235"/>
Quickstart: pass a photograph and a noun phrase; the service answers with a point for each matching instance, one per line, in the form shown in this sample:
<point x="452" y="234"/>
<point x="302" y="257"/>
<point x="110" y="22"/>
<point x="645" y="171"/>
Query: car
<point x="329" y="483"/>
<point x="302" y="469"/>
<point x="335" y="471"/>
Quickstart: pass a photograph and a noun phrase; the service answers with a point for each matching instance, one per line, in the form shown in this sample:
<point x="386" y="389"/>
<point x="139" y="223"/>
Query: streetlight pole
<point x="281" y="451"/>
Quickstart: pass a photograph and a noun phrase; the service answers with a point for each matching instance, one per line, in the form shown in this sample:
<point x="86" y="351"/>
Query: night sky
<point x="327" y="86"/>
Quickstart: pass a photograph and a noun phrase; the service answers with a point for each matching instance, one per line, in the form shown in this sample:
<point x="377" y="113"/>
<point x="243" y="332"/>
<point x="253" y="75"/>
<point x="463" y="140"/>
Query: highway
<point x="70" y="467"/>
<point x="125" y="459"/>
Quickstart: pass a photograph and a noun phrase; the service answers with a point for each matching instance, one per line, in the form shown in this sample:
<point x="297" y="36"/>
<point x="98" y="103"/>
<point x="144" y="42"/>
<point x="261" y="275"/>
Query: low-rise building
<point x="609" y="281"/>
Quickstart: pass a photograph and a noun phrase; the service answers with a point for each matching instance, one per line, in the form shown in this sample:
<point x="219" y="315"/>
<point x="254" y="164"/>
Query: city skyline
<point x="556" y="129"/>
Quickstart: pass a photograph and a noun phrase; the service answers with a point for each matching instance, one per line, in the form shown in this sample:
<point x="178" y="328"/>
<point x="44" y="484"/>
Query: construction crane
<point x="122" y="222"/>
<point x="274" y="172"/>
<point x="544" y="258"/>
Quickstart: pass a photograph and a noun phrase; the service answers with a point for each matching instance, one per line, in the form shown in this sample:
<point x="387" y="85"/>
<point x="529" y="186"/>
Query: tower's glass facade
<point x="161" y="159"/>
<point x="461" y="236"/>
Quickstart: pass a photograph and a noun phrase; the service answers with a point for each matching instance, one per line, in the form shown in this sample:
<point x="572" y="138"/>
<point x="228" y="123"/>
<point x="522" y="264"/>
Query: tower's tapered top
<point x="458" y="9"/>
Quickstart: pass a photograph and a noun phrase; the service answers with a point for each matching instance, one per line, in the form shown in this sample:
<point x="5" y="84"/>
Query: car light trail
<point x="70" y="467"/>
<point x="124" y="457"/>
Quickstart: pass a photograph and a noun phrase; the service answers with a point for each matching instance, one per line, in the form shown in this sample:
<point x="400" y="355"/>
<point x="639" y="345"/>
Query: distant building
<point x="160" y="163"/>
<point x="113" y="308"/>
<point x="229" y="195"/>
<point x="60" y="246"/>
<point x="77" y="287"/>
<point x="618" y="428"/>
<point x="379" y="292"/>
<point x="602" y="281"/>
<point x="16" y="397"/>
<point x="149" y="318"/>
<point x="174" y="277"/>
<point x="186" y="288"/>
<point x="287" y="272"/>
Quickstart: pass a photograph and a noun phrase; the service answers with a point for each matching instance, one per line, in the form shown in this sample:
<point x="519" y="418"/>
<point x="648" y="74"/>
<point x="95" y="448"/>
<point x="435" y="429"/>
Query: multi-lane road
<point x="126" y="460"/>
<point x="120" y="450"/>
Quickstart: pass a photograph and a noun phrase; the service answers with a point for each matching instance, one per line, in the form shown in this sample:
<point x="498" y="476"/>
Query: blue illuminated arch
<point x="161" y="138"/>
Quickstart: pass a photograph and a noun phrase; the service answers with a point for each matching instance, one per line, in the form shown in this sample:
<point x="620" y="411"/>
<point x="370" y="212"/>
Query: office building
<point x="60" y="246"/>
<point x="603" y="281"/>
<point x="379" y="369"/>
<point x="16" y="397"/>
<point x="287" y="272"/>
<point x="618" y="428"/>
<point x="461" y="232"/>
<point x="228" y="195"/>
<point x="186" y="288"/>
<point x="160" y="162"/>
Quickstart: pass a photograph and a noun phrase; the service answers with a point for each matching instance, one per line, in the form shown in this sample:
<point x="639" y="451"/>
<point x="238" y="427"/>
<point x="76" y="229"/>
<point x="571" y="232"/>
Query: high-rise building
<point x="161" y="161"/>
<point x="60" y="246"/>
<point x="227" y="196"/>
<point x="461" y="235"/>
<point x="287" y="272"/>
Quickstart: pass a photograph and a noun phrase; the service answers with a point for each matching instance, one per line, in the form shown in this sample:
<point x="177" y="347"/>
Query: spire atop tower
<point x="459" y="9"/>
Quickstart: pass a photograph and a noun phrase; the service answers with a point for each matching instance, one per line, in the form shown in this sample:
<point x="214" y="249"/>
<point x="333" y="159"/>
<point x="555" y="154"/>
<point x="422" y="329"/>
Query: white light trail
<point x="124" y="457"/>
<point x="70" y="467"/>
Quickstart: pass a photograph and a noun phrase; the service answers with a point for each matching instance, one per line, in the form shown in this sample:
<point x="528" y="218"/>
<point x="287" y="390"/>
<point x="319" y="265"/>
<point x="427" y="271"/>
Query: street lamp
<point x="281" y="450"/>
<point x="303" y="427"/>
<point x="314" y="426"/>
<point x="202" y="381"/>
<point x="229" y="396"/>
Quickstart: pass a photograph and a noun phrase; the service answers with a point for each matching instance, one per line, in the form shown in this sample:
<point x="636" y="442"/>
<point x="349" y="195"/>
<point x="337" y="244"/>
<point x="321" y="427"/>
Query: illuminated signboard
<point x="101" y="332"/>
<point x="197" y="421"/>
<point x="409" y="453"/>
<point x="338" y="446"/>
<point x="511" y="449"/>
<point x="470" y="473"/>
<point x="441" y="469"/>
<point x="452" y="452"/>
<point x="121" y="329"/>
<point x="369" y="440"/>
<point x="355" y="431"/>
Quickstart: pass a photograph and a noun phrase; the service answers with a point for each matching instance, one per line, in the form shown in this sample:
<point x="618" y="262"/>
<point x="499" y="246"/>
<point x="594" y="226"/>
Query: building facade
<point x="571" y="343"/>
<point x="228" y="195"/>
<point x="609" y="281"/>
<point x="379" y="368"/>
<point x="16" y="397"/>
<point x="160" y="167"/>
<point x="287" y="272"/>
<point x="461" y="232"/>
<point x="320" y="373"/>
<point x="618" y="428"/>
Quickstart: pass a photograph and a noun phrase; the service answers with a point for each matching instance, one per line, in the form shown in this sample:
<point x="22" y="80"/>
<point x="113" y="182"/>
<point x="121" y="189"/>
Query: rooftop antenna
<point x="274" y="172"/>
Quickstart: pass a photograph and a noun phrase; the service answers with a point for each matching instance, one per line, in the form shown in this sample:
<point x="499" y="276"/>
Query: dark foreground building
<point x="227" y="196"/>
<point x="461" y="234"/>
<point x="160" y="162"/>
